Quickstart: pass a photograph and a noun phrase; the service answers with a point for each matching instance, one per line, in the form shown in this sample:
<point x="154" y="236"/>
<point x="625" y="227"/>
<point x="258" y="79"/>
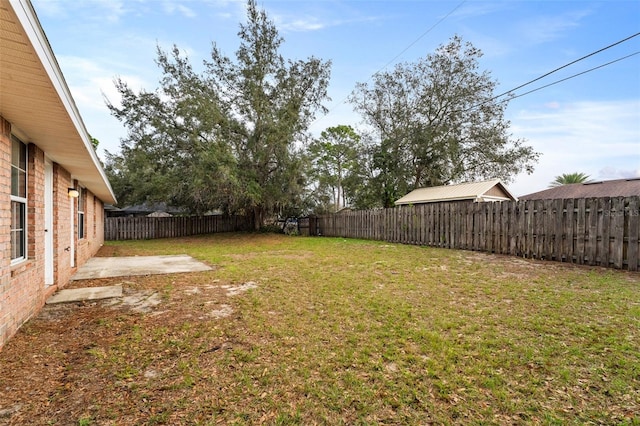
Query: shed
<point x="491" y="190"/>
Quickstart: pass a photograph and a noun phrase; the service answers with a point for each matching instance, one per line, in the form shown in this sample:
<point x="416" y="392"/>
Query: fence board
<point x="592" y="238"/>
<point x="602" y="231"/>
<point x="558" y="237"/>
<point x="548" y="233"/>
<point x="580" y="230"/>
<point x="145" y="228"/>
<point x="634" y="228"/>
<point x="604" y="204"/>
<point x="618" y="232"/>
<point x="530" y="221"/>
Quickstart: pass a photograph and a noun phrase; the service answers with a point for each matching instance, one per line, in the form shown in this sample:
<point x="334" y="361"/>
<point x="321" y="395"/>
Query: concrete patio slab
<point x="108" y="267"/>
<point x="81" y="294"/>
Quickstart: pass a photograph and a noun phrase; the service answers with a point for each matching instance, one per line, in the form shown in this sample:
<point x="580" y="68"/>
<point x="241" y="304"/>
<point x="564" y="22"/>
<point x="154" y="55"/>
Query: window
<point x="81" y="202"/>
<point x="95" y="209"/>
<point x="18" y="200"/>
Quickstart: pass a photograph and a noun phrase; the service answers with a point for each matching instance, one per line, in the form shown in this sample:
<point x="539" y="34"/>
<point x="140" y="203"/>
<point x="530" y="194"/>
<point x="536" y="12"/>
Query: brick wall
<point x="93" y="240"/>
<point x="22" y="288"/>
<point x="62" y="270"/>
<point x="7" y="326"/>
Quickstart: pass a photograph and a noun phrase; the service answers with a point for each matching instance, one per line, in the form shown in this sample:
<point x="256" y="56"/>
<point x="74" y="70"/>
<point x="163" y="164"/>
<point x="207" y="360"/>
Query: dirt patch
<point x="137" y="301"/>
<point x="222" y="312"/>
<point x="280" y="254"/>
<point x="46" y="364"/>
<point x="236" y="290"/>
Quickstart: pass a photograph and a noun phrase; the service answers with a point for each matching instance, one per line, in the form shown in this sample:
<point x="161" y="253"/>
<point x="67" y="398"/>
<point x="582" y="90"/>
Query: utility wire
<point x="398" y="55"/>
<point x="559" y="68"/>
<point x="520" y="86"/>
<point x="572" y="76"/>
<point x="551" y="72"/>
<point x="420" y="38"/>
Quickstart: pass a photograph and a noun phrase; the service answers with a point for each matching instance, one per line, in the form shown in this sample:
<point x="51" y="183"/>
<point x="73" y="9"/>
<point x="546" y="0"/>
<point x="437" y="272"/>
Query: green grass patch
<point x="363" y="332"/>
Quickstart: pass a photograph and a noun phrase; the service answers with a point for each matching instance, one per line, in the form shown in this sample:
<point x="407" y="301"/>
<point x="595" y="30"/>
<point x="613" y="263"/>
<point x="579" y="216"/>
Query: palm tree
<point x="568" y="178"/>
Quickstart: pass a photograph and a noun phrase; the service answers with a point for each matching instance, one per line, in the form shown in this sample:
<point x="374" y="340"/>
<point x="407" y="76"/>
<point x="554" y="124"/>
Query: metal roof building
<point x="491" y="190"/>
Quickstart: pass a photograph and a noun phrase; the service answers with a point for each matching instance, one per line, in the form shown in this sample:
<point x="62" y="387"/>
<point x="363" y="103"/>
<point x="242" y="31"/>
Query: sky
<point x="589" y="123"/>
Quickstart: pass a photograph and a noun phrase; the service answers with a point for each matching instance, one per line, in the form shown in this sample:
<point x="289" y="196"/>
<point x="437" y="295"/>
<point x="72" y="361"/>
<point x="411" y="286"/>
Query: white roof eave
<point x="93" y="177"/>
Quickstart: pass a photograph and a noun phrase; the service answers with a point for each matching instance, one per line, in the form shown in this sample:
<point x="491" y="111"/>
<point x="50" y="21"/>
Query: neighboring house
<point x="605" y="188"/>
<point x="491" y="190"/>
<point x="160" y="209"/>
<point x="344" y="210"/>
<point x="52" y="185"/>
<point x="145" y="209"/>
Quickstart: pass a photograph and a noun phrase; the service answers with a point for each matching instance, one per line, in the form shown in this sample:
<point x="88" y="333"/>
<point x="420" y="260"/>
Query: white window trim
<point x="23" y="200"/>
<point x="82" y="222"/>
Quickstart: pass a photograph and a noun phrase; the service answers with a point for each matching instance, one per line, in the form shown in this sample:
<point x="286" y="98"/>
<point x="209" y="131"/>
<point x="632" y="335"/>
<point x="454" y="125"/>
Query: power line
<point x="399" y="54"/>
<point x="421" y="36"/>
<point x="572" y="76"/>
<point x="520" y="86"/>
<point x="559" y="68"/>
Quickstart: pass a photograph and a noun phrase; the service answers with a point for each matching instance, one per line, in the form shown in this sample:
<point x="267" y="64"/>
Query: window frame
<point x="82" y="232"/>
<point x="17" y="199"/>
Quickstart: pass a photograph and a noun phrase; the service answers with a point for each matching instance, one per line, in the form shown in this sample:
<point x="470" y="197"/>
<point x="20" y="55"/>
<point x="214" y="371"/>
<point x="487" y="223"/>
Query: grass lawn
<point x="294" y="330"/>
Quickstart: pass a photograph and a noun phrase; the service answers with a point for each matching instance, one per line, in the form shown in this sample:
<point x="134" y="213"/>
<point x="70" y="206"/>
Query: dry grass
<point x="290" y="330"/>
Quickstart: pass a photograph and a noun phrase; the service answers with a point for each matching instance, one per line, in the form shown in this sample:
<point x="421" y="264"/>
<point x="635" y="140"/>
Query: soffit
<point x="34" y="98"/>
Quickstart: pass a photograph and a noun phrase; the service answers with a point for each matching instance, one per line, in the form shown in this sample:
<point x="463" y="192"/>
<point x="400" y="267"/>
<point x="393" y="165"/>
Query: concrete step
<point x="87" y="293"/>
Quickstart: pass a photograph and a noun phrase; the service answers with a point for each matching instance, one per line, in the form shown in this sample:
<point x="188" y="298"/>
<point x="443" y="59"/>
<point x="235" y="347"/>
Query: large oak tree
<point x="437" y="122"/>
<point x="225" y="137"/>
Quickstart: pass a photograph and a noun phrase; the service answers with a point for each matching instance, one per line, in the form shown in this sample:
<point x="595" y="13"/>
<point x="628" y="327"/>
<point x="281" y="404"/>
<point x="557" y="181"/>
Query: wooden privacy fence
<point x="146" y="228"/>
<point x="592" y="231"/>
<point x="307" y="225"/>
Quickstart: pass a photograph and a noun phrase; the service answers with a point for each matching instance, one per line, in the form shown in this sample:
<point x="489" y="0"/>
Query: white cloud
<point x="306" y="24"/>
<point x="611" y="172"/>
<point x="492" y="47"/>
<point x="477" y="9"/>
<point x="114" y="9"/>
<point x="286" y="23"/>
<point x="90" y="81"/>
<point x="601" y="139"/>
<point x="542" y="29"/>
<point x="172" y="7"/>
<point x="96" y="10"/>
<point x="53" y="8"/>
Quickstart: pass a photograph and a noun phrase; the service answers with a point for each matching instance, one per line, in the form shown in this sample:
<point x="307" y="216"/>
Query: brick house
<point x="52" y="185"/>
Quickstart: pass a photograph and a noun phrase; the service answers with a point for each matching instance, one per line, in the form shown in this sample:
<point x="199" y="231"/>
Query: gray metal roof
<point x="606" y="188"/>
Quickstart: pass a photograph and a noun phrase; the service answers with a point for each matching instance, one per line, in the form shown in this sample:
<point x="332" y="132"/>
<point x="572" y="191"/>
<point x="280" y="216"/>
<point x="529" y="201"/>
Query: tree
<point x="175" y="150"/>
<point x="274" y="102"/>
<point x="335" y="159"/>
<point x="438" y="122"/>
<point x="225" y="137"/>
<point x="569" y="178"/>
<point x="94" y="142"/>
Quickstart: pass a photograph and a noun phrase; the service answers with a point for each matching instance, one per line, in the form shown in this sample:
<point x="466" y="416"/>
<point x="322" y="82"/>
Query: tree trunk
<point x="258" y="217"/>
